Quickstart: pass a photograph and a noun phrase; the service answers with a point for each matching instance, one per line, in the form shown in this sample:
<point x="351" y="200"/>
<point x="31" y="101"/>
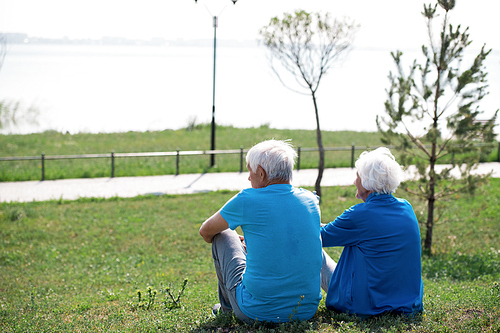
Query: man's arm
<point x="212" y="227"/>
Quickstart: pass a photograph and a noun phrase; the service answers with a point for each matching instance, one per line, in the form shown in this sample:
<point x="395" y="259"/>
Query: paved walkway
<point x="72" y="189"/>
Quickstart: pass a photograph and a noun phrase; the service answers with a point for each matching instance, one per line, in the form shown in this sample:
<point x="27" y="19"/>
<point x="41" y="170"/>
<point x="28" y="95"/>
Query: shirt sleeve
<point x="342" y="231"/>
<point x="232" y="211"/>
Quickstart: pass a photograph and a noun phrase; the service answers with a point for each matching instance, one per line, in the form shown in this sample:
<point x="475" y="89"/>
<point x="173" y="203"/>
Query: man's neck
<point x="277" y="182"/>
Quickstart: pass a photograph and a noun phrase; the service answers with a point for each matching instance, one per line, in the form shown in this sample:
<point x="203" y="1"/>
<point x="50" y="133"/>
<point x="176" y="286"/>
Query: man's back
<point x="281" y="228"/>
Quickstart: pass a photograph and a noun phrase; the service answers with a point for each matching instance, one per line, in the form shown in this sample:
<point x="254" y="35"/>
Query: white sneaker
<point x="216" y="309"/>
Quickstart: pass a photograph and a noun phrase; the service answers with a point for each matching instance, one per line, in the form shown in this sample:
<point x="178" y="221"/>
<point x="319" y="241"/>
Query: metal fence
<point x="178" y="153"/>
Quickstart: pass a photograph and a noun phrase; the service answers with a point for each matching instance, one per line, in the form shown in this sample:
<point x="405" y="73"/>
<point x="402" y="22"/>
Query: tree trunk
<point x="431" y="197"/>
<point x="429" y="225"/>
<point x="430" y="200"/>
<point x="321" y="165"/>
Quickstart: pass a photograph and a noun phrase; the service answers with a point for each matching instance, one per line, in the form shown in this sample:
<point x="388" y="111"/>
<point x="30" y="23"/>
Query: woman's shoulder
<point x="403" y="201"/>
<point x="359" y="208"/>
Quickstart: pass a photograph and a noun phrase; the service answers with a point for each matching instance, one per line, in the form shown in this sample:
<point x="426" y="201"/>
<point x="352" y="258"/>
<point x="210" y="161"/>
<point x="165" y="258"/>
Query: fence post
<point x="298" y="158"/>
<point x="352" y="155"/>
<point x="241" y="159"/>
<point x="43" y="166"/>
<point x="177" y="163"/>
<point x="112" y="163"/>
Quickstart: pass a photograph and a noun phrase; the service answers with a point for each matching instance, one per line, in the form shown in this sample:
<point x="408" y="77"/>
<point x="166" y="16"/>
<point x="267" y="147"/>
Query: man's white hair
<point x="379" y="171"/>
<point x="276" y="157"/>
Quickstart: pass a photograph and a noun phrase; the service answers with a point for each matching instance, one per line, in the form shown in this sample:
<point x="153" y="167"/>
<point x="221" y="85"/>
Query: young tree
<point x="440" y="96"/>
<point x="307" y="45"/>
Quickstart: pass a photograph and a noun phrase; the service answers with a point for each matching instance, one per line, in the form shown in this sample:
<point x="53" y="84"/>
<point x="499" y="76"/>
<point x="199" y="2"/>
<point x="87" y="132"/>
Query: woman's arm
<point x="341" y="232"/>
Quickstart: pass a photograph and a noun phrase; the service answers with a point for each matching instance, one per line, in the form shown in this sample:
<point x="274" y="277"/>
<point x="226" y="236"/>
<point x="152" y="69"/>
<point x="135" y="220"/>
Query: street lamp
<point x="212" y="141"/>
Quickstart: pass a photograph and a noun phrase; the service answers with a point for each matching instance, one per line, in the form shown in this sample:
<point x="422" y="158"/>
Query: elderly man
<point x="272" y="272"/>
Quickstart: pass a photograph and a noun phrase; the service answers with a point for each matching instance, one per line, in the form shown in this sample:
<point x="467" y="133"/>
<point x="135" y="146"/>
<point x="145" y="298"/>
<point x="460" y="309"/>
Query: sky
<point x="384" y="23"/>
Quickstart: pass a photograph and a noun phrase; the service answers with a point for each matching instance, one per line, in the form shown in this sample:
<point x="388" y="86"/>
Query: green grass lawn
<point x="77" y="266"/>
<point x="197" y="138"/>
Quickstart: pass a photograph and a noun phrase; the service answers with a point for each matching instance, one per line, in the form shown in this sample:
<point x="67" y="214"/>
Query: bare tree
<point x="11" y="114"/>
<point x="3" y="49"/>
<point x="307" y="45"/>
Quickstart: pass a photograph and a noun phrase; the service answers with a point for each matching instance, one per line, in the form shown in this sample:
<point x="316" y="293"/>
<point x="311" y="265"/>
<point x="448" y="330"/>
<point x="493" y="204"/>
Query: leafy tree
<point x="307" y="45"/>
<point x="440" y="96"/>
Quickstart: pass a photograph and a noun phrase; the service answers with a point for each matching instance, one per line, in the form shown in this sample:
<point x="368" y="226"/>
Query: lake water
<point x="96" y="88"/>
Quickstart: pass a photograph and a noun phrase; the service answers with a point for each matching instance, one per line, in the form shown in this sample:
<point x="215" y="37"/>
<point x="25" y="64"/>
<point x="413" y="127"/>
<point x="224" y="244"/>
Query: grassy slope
<point x="54" y="143"/>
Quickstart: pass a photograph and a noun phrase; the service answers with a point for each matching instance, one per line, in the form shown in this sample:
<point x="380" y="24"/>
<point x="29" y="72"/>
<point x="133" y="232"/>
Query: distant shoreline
<point x="21" y="38"/>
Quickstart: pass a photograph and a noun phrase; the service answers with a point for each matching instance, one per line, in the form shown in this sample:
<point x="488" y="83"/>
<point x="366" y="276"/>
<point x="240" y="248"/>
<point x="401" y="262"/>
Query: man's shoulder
<point x="283" y="193"/>
<point x="306" y="194"/>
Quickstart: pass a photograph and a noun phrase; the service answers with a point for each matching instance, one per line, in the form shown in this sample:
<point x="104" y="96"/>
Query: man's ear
<point x="261" y="173"/>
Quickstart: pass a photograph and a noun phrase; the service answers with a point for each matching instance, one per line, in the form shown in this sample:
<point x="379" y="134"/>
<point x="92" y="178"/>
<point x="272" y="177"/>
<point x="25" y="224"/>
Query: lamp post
<point x="212" y="140"/>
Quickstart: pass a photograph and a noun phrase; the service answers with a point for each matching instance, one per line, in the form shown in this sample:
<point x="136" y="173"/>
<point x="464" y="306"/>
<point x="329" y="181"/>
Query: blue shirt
<point x="380" y="266"/>
<point x="281" y="227"/>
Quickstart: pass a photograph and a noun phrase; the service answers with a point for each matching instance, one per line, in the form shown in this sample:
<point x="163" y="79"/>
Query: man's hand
<point x="242" y="239"/>
<point x="212" y="227"/>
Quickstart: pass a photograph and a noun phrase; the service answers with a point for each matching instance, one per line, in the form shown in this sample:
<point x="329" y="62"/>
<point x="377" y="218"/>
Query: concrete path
<point x="72" y="189"/>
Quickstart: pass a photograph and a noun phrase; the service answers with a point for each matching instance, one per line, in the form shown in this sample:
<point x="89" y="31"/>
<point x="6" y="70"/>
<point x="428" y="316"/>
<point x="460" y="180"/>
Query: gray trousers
<point x="327" y="271"/>
<point x="230" y="263"/>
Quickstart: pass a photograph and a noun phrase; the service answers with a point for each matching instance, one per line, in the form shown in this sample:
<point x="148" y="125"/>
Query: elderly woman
<point x="380" y="267"/>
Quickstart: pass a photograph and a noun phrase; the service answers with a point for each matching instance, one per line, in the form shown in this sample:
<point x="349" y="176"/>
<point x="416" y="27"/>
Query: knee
<point x="222" y="236"/>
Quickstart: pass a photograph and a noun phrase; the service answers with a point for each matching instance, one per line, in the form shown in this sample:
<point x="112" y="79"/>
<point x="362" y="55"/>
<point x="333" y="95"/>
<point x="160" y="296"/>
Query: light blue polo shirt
<point x="281" y="225"/>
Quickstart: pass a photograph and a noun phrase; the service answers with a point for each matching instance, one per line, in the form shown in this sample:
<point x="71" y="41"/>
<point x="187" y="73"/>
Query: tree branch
<point x="416" y="141"/>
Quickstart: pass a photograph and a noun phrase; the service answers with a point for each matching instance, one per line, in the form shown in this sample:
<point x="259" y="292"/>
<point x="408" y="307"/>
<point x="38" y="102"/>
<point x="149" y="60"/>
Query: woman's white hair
<point x="379" y="171"/>
<point x="276" y="157"/>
